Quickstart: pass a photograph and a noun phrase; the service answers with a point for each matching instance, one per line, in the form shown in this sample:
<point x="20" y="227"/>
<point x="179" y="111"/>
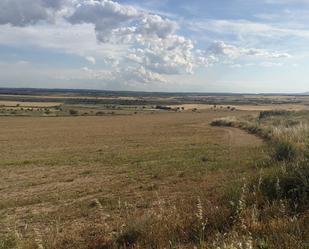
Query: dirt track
<point x="240" y="138"/>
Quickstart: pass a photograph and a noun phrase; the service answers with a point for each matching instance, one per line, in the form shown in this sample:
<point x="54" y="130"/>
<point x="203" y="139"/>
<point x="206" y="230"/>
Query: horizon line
<point x="155" y="92"/>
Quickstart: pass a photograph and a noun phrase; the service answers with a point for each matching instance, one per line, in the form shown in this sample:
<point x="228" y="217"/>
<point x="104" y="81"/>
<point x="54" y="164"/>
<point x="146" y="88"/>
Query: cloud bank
<point x="151" y="47"/>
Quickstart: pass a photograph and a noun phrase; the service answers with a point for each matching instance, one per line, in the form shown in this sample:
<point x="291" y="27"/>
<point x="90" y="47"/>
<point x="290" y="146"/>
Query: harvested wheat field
<point x="244" y="107"/>
<point x="57" y="172"/>
<point x="28" y="104"/>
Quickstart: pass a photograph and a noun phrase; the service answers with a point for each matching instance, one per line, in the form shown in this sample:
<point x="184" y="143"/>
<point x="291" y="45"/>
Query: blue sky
<point x="156" y="45"/>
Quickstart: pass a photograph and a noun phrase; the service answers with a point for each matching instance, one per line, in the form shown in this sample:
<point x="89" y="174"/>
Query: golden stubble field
<point x="4" y="103"/>
<point x="56" y="171"/>
<point x="247" y="107"/>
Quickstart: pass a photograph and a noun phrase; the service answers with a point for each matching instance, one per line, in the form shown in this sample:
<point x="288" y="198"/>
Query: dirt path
<point x="234" y="137"/>
<point x="240" y="138"/>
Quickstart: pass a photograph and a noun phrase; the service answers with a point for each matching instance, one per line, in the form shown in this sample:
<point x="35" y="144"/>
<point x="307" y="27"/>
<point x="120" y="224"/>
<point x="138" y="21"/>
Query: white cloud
<point x="106" y="15"/>
<point x="157" y="49"/>
<point x="130" y="76"/>
<point x="22" y="12"/>
<point x="117" y="23"/>
<point x="222" y="49"/>
<point x="63" y="37"/>
<point x="136" y="46"/>
<point x="91" y="59"/>
<point x="271" y="64"/>
<point x="26" y="12"/>
<point x="172" y="55"/>
<point x="155" y="26"/>
<point x="86" y="69"/>
<point x="245" y="29"/>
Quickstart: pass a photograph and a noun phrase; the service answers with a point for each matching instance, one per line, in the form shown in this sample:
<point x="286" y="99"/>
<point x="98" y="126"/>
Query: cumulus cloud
<point x="137" y="46"/>
<point x="156" y="50"/>
<point x="140" y="75"/>
<point x="222" y="49"/>
<point x="155" y="25"/>
<point x="129" y="76"/>
<point x="106" y="15"/>
<point x="118" y="23"/>
<point x="26" y="12"/>
<point x="56" y="4"/>
<point x="91" y="59"/>
<point x="173" y="55"/>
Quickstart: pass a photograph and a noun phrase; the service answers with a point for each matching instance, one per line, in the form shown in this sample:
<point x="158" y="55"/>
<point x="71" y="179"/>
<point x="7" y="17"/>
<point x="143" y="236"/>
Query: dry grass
<point x="119" y="181"/>
<point x="161" y="180"/>
<point x="243" y="107"/>
<point x="276" y="210"/>
<point x="298" y="134"/>
<point x="5" y="103"/>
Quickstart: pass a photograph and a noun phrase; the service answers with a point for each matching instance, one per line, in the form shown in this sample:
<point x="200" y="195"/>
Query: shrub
<point x="162" y="107"/>
<point x="129" y="236"/>
<point x="8" y="242"/>
<point x="58" y="108"/>
<point x="266" y="114"/>
<point x="73" y="112"/>
<point x="292" y="184"/>
<point x="99" y="113"/>
<point x="284" y="151"/>
<point x="229" y="122"/>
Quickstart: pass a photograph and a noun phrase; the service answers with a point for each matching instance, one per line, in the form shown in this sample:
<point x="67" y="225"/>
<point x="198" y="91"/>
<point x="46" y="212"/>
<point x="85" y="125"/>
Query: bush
<point x="291" y="185"/>
<point x="129" y="237"/>
<point x="284" y="151"/>
<point x="73" y="112"/>
<point x="266" y="114"/>
<point x="162" y="107"/>
<point x="8" y="242"/>
<point x="228" y="121"/>
<point x="59" y="108"/>
<point x="99" y="113"/>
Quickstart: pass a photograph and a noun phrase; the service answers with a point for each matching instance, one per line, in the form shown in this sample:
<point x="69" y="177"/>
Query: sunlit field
<point x="153" y="177"/>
